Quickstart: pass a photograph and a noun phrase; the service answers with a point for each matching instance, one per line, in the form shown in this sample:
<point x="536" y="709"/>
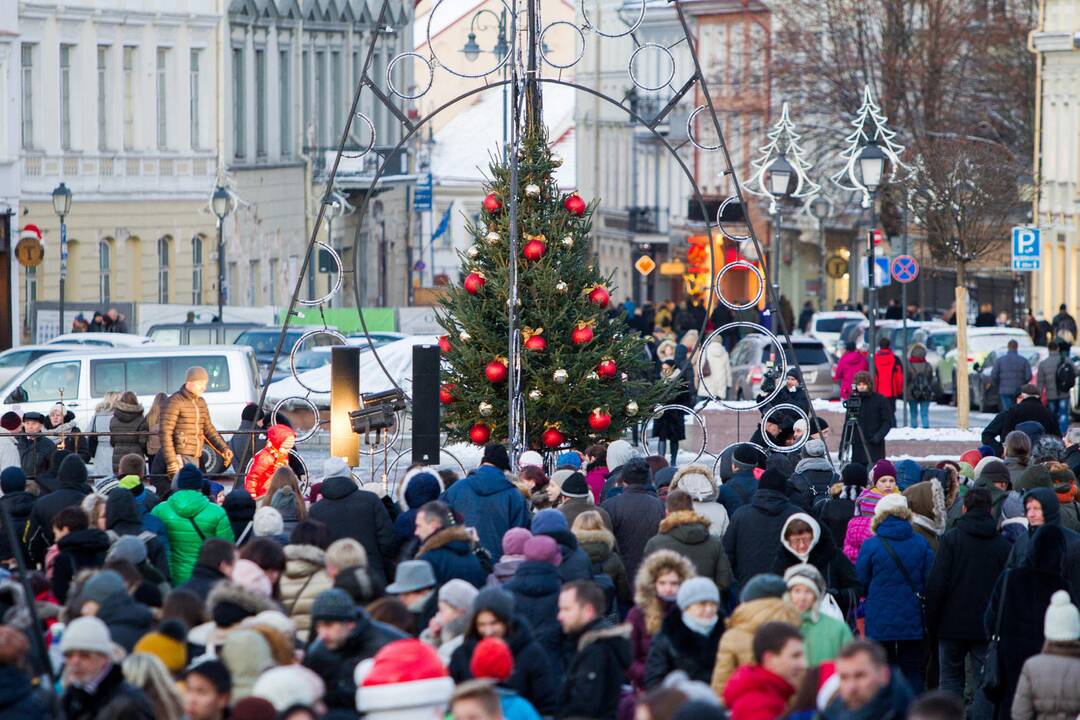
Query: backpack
<point x="1065" y="375"/>
<point x="921" y="388"/>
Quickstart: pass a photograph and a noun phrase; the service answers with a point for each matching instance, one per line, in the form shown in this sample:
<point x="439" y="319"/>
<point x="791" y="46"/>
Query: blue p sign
<point x="1025" y="248"/>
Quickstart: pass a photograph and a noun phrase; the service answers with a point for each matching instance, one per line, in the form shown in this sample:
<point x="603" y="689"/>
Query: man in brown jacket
<point x="185" y="424"/>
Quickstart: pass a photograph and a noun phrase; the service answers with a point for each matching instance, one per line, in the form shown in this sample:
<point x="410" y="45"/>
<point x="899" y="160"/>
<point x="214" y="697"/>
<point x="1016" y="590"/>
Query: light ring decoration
<point x="577" y="58"/>
<point x="511" y="18"/>
<point x="660" y="410"/>
<point x="731" y="266"/>
<point x="390" y="439"/>
<point x="715" y="335"/>
<point x="716" y="465"/>
<point x="337" y="279"/>
<point x="735" y="237"/>
<point x="361" y="153"/>
<point x="789" y="407"/>
<point x="690" y="132"/>
<point x="406" y="451"/>
<point x="299" y="343"/>
<point x="390" y="75"/>
<point x="601" y="33"/>
<point x="306" y="401"/>
<point x="633" y="75"/>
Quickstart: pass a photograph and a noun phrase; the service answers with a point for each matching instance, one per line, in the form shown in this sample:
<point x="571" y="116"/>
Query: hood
<point x="229" y="591"/>
<point x="751" y="615"/>
<point x="303" y="560"/>
<point x="1047" y="553"/>
<point x="908" y="473"/>
<point x="587" y="538"/>
<point x="284" y="501"/>
<point x="19" y="504"/>
<point x="813" y="542"/>
<point x="686" y="526"/>
<point x="188" y="503"/>
<point x="72" y="473"/>
<point x="566" y="540"/>
<point x="421" y="488"/>
<point x="918" y="352"/>
<point x="455" y="539"/>
<point x="127" y="413"/>
<point x="618" y="453"/>
<point x="893" y="527"/>
<point x="602" y="632"/>
<point x="770" y="502"/>
<point x="980" y="524"/>
<point x="697" y="481"/>
<point x="336" y="488"/>
<point x="488" y="480"/>
<point x="277" y="434"/>
<point x="927" y="503"/>
<point x="122" y="513"/>
<point x="239" y="506"/>
<point x="652" y="567"/>
<point x="535" y="578"/>
<point x="1050" y="505"/>
<point x="814" y="464"/>
<point x="90" y="540"/>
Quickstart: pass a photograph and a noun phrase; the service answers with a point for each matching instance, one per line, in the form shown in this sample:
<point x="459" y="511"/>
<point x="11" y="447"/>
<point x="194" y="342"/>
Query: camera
<point x="769" y="378"/>
<point x="854" y="403"/>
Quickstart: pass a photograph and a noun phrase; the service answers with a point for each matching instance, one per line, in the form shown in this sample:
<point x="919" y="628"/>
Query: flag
<point x="443" y="223"/>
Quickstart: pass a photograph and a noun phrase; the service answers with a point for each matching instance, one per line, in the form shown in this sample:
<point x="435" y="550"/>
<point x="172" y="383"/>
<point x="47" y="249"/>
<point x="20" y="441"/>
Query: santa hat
<point x="827" y="685"/>
<point x="405" y="676"/>
<point x="30" y="231"/>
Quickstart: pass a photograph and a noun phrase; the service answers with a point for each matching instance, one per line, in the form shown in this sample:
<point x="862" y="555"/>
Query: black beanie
<point x="854" y="475"/>
<point x="496" y="455"/>
<point x="55" y="460"/>
<point x="772" y="480"/>
<point x="72" y="470"/>
<point x="227" y="613"/>
<point x="12" y="480"/>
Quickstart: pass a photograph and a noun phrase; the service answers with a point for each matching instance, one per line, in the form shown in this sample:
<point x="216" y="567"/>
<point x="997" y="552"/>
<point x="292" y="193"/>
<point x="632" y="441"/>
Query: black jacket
<point x="969" y="559"/>
<point x="202" y="581"/>
<point x="245" y="446"/>
<point x="71" y="478"/>
<point x="127" y="620"/>
<point x="1030" y="408"/>
<point x="73" y="441"/>
<point x="450" y="554"/>
<point x="677" y="647"/>
<point x="837" y="510"/>
<point x="78" y="550"/>
<point x="596" y="670"/>
<point x="830" y="561"/>
<point x="19" y="700"/>
<point x="753" y="537"/>
<point x="128" y="423"/>
<point x="122" y="517"/>
<point x="535" y="587"/>
<point x="336" y="667"/>
<point x="575" y="563"/>
<point x="35" y="454"/>
<point x="875" y="421"/>
<point x="18" y="505"/>
<point x="811" y="481"/>
<point x="349" y="511"/>
<point x="240" y="507"/>
<point x="114" y="698"/>
<point x="635" y="517"/>
<point x="1072" y="459"/>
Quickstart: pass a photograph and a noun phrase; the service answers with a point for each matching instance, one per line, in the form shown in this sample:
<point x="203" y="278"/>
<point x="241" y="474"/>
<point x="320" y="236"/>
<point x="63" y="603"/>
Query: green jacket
<point x="178" y="513"/>
<point x="822" y="637"/>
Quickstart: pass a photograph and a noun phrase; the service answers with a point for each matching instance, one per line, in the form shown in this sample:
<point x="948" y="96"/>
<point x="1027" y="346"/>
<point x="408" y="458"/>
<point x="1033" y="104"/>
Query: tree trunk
<point x="961" y="390"/>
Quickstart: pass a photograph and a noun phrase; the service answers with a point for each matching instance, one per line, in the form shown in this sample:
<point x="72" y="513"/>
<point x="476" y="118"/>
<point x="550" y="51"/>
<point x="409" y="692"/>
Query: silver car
<point x="754" y="354"/>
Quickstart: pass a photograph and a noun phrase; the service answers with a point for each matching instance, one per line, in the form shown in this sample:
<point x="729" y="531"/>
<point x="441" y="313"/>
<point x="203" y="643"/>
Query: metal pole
<point x="221" y="268"/>
<point x="502" y="38"/>
<point x="904" y="304"/>
<point x="63" y="270"/>
<point x="871" y="270"/>
<point x="330" y="242"/>
<point x="383" y="262"/>
<point x="776" y="259"/>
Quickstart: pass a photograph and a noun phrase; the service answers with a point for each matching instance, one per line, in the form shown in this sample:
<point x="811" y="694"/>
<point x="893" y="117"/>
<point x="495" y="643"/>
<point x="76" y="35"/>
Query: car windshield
<point x="986" y="343"/>
<point x="830" y="325"/>
<point x="264" y="342"/>
<point x="942" y="343"/>
<point x="805" y="354"/>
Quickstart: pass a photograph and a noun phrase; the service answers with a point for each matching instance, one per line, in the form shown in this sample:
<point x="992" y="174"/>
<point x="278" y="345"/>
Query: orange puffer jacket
<point x="268" y="460"/>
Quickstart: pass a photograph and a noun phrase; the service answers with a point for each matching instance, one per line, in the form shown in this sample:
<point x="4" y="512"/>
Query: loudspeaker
<point x="425" y="413"/>
<point x="344" y="398"/>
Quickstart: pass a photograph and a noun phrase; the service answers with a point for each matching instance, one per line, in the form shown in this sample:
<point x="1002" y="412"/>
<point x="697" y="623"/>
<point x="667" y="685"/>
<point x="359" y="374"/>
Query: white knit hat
<point x="892" y="501"/>
<point x="1062" y="619"/>
<point x="287" y="685"/>
<point x="806" y="575"/>
<point x="267" y="521"/>
<point x="89" y="634"/>
<point x="531" y="457"/>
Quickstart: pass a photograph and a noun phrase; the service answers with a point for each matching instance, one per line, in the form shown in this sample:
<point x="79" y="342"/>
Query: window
<point x="320" y="98"/>
<point x="165" y="336"/>
<point x="238" y="101"/>
<point x="162" y="87"/>
<point x="104" y="263"/>
<point x="142" y="376"/>
<point x="102" y="96"/>
<point x="201" y="336"/>
<point x="272" y="285"/>
<point x="163" y="270"/>
<point x="260" y="103"/>
<point x="47" y="383"/>
<point x="193" y="97"/>
<point x="129" y="98"/>
<point x="305" y="83"/>
<point x="28" y="96"/>
<point x="217" y="366"/>
<point x="335" y="93"/>
<point x="254" y="280"/>
<point x="196" y="269"/>
<point x="65" y="97"/>
<point x="285" y="100"/>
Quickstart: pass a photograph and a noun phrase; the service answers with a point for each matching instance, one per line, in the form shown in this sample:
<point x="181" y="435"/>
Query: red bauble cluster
<point x="492" y="203"/>
<point x="534" y="249"/>
<point x="599" y="420"/>
<point x="496" y="371"/>
<point x="444" y="343"/>
<point x="479" y="433"/>
<point x="581" y="334"/>
<point x="474" y="283"/>
<point x="446" y="394"/>
<point x="536" y="344"/>
<point x="599" y="296"/>
<point x="574" y="204"/>
<point x="552" y="438"/>
<point x="606" y="369"/>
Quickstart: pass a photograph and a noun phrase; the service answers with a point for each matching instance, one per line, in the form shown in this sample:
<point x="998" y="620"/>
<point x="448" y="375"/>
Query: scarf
<point x="703" y="629"/>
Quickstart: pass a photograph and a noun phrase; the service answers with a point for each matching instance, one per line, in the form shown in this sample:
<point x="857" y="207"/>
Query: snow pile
<point x="936" y="435"/>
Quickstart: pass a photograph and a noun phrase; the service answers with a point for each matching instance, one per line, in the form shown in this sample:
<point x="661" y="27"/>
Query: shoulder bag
<point x="993" y="675"/>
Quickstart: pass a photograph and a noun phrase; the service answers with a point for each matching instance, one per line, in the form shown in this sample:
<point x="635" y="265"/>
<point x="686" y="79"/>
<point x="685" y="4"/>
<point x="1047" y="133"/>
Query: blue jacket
<point x="908" y="473"/>
<point x="737" y="491"/>
<point x="1010" y="372"/>
<point x="575" y="563"/>
<point x="536" y="586"/>
<point x="422" y="489"/>
<point x="515" y="707"/>
<point x="893" y="611"/>
<point x="489" y="502"/>
<point x="451" y="556"/>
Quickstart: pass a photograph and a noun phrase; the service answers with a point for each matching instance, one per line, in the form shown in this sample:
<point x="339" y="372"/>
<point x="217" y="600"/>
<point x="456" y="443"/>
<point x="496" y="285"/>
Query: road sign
<point x="879" y="237"/>
<point x="422" y="198"/>
<point x="881" y="273"/>
<point x="904" y="268"/>
<point x="645" y="265"/>
<point x="29" y="252"/>
<point x="836" y="266"/>
<point x="1025" y="248"/>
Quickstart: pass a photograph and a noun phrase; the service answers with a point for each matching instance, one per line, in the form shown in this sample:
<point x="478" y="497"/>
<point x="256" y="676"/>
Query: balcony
<point x="120" y="174"/>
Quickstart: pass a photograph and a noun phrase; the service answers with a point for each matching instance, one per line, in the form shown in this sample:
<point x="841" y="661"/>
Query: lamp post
<point x="219" y="203"/>
<point x="780" y="175"/>
<point x="378" y="215"/>
<point x="820" y="209"/>
<point x="61" y="200"/>
<point x="472" y="51"/>
<point x="871" y="169"/>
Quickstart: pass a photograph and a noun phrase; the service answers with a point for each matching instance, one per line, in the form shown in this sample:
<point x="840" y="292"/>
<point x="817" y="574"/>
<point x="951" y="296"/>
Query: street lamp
<point x="472" y="51"/>
<point x="61" y="201"/>
<point x="219" y="203"/>
<point x="872" y="160"/>
<point x="780" y="176"/>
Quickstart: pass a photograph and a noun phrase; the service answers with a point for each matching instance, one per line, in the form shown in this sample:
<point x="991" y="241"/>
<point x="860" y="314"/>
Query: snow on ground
<point x="935" y="435"/>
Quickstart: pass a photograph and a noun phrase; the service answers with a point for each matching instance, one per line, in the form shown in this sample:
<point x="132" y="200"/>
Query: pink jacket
<point x="858" y="530"/>
<point x="846" y="367"/>
<point x="595" y="480"/>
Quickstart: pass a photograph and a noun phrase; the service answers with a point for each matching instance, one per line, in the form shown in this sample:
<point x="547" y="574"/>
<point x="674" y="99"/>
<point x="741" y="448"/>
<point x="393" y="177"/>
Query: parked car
<point x="100" y="339"/>
<point x="751" y="357"/>
<point x="984" y="396"/>
<point x="263" y="341"/>
<point x="980" y="342"/>
<point x="174" y="334"/>
<point x="826" y="326"/>
<point x="15" y="359"/>
<point x="380" y="338"/>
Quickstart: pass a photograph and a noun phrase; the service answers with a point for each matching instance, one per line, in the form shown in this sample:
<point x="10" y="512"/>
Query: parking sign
<point x="1025" y="249"/>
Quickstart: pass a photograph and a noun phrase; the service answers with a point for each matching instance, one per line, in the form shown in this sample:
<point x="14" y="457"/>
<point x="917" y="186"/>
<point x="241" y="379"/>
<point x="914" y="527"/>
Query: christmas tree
<point x="585" y="375"/>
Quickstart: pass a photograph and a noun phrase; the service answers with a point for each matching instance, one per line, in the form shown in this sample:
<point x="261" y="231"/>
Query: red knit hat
<point x="492" y="659"/>
<point x="403" y="674"/>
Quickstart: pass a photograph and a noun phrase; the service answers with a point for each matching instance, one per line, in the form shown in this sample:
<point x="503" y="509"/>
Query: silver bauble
<point x="561" y="286"/>
<point x="473" y="251"/>
<point x="535" y="394"/>
<point x="568" y="241"/>
<point x="492" y="237"/>
<point x="532" y="190"/>
<point x="560" y="376"/>
<point x="485" y="409"/>
<point x="631" y="408"/>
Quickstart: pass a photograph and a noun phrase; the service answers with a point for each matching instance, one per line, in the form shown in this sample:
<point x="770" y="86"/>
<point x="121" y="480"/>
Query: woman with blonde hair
<point x="655" y="588"/>
<point x="101" y="449"/>
<point x="149" y="674"/>
<point x="94" y="507"/>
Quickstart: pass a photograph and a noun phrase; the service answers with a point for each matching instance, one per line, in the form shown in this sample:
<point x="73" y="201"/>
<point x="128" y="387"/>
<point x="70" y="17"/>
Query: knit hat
<point x="543" y="549"/>
<point x="412" y="575"/>
<point x="335" y="467"/>
<point x="103" y="585"/>
<point x="882" y="468"/>
<point x="333" y="605"/>
<point x="1035" y="476"/>
<point x="575" y="486"/>
<point x="513" y="541"/>
<point x="569" y="459"/>
<point x="618" y="453"/>
<point x="1062" y="619"/>
<point x="814" y="448"/>
<point x="889" y="503"/>
<point x="492" y="660"/>
<point x="496" y="600"/>
<point x="289" y="685"/>
<point x="763" y="585"/>
<point x="196" y="374"/>
<point x="496" y="455"/>
<point x="253" y="708"/>
<point x="403" y="675"/>
<point x="87" y="633"/>
<point x="12" y="479"/>
<point x="168" y="644"/>
<point x="806" y="575"/>
<point x="530" y="457"/>
<point x="772" y="479"/>
<point x="548" y="521"/>
<point x="128" y="547"/>
<point x="247" y="654"/>
<point x="10" y="421"/>
<point x="267" y="521"/>
<point x="458" y="593"/>
<point x="854" y="475"/>
<point x="130" y="482"/>
<point x="745" y="457"/>
<point x="559" y="477"/>
<point x="251" y="577"/>
<point x="215" y="672"/>
<point x="189" y="478"/>
<point x="994" y="471"/>
<point x="695" y="590"/>
<point x="72" y="470"/>
<point x="987" y="451"/>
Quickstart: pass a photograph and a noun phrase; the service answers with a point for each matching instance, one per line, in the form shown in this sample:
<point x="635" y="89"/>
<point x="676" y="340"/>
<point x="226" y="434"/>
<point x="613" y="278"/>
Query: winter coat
<point x="890" y="703"/>
<point x="122" y="518"/>
<point x="701" y="485"/>
<point x="677" y="647"/>
<point x="285" y="502"/>
<point x="9" y="450"/>
<point x="837" y="511"/>
<point x="893" y="610"/>
<point x="113" y="698"/>
<point x="917" y="368"/>
<point x="71" y="478"/>
<point x="244" y="446"/>
<point x="575" y="563"/>
<point x="203" y="580"/>
<point x="268" y="461"/>
<point x="185" y="427"/>
<point x="572" y="507"/>
<point x="594" y="675"/>
<point x="859" y="528"/>
<point x="687" y="533"/>
<point x="1049" y="687"/>
<point x="889" y="375"/>
<point x="1030" y="408"/>
<point x="1072" y="458"/>
<point x="823" y="636"/>
<point x="35" y="452"/>
<point x="19" y="505"/>
<point x="969" y="559"/>
<point x="812" y="479"/>
<point x="450" y="553"/>
<point x="18" y="699"/>
<point x="182" y="513"/>
<point x="240" y="507"/>
<point x="599" y="545"/>
<point x="718" y="381"/>
<point x="594" y="478"/>
<point x="101" y="447"/>
<point x="635" y="516"/>
<point x="849" y="364"/>
<point x="1051" y="516"/>
<point x="337" y="667"/>
<point x="754" y="693"/>
<point x="489" y="502"/>
<point x="304" y="578"/>
<point x="1010" y="372"/>
<point x="127" y="620"/>
<point x="753" y="537"/>
<point x="127" y="419"/>
<point x="1047" y="377"/>
<point x="647" y="615"/>
<point x="875" y="420"/>
<point x="737" y="643"/>
<point x="421" y="490"/>
<point x="737" y="491"/>
<point x="535" y="587"/>
<point x="349" y="511"/>
<point x="838" y="572"/>
<point x="927" y="503"/>
<point x="79" y="549"/>
<point x="72" y="441"/>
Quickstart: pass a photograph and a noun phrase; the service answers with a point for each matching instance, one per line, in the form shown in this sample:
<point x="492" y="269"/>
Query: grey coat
<point x="1048" y="377"/>
<point x="1049" y="687"/>
<point x="1010" y="372"/>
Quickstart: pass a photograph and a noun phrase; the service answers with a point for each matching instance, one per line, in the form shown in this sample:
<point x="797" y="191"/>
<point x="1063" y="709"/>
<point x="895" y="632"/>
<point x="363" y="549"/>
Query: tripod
<point x="851" y="426"/>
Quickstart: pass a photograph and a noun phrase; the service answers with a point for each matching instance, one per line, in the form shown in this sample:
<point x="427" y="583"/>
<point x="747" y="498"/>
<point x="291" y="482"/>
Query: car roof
<point x="130" y="337"/>
<point x="252" y="325"/>
<point x="39" y="346"/>
<point x="95" y="352"/>
<point x="996" y="331"/>
<point x="827" y="314"/>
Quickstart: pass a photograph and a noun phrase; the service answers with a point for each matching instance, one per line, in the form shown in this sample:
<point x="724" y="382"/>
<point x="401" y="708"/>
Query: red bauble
<point x="552" y="438"/>
<point x="599" y="420"/>
<point x="496" y="371"/>
<point x="606" y="369"/>
<point x="492" y="203"/>
<point x="444" y="343"/>
<point x="534" y="250"/>
<point x="581" y="334"/>
<point x="474" y="282"/>
<point x="574" y="204"/>
<point x="536" y="344"/>
<point x="479" y="433"/>
<point x="599" y="296"/>
<point x="446" y="394"/>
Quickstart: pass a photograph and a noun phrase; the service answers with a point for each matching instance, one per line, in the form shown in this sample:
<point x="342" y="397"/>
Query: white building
<point x="10" y="93"/>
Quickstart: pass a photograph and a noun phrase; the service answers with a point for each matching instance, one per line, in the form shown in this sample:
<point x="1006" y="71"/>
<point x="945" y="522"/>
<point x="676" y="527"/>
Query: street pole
<point x="904" y="306"/>
<point x="776" y="265"/>
<point x="63" y="269"/>
<point x="221" y="269"/>
<point x="871" y="268"/>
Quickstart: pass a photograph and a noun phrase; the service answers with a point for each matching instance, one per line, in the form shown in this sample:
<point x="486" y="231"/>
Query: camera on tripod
<point x="769" y="378"/>
<point x="854" y="403"/>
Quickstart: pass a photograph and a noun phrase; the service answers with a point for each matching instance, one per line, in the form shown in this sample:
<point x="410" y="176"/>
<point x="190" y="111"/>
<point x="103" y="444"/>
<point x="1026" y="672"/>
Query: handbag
<point x="907" y="579"/>
<point x="831" y="608"/>
<point x="993" y="676"/>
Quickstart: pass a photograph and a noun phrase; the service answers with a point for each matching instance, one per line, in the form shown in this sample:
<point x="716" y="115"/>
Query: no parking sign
<point x="904" y="268"/>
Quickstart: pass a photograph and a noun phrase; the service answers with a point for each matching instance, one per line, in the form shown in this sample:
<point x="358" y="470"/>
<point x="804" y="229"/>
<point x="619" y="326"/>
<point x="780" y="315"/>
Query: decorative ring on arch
<point x="390" y="439"/>
<point x="580" y="53"/>
<point x="690" y="132"/>
<point x="731" y="266"/>
<point x="365" y="151"/>
<point x="337" y="279"/>
<point x="394" y="462"/>
<point x="431" y="47"/>
<point x="315" y="426"/>
<point x="633" y="76"/>
<point x="720" y="455"/>
<point x="601" y="33"/>
<point x="720" y="221"/>
<point x="776" y="408"/>
<point x="715" y="334"/>
<point x="299" y="343"/>
<point x="390" y="75"/>
<point x="660" y="410"/>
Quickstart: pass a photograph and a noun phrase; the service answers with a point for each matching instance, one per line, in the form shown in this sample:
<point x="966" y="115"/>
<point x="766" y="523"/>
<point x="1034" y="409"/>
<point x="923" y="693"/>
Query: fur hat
<point x="1062" y="622"/>
<point x="492" y="660"/>
<point x="403" y="675"/>
<point x="697" y="481"/>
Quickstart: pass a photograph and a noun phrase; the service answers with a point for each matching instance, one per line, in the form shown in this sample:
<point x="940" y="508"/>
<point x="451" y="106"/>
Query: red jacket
<point x="847" y="366"/>
<point x="754" y="693"/>
<point x="889" y="374"/>
<point x="268" y="460"/>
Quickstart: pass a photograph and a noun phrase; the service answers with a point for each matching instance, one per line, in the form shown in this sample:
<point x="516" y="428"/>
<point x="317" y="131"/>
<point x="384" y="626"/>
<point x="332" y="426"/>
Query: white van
<point x="86" y="374"/>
